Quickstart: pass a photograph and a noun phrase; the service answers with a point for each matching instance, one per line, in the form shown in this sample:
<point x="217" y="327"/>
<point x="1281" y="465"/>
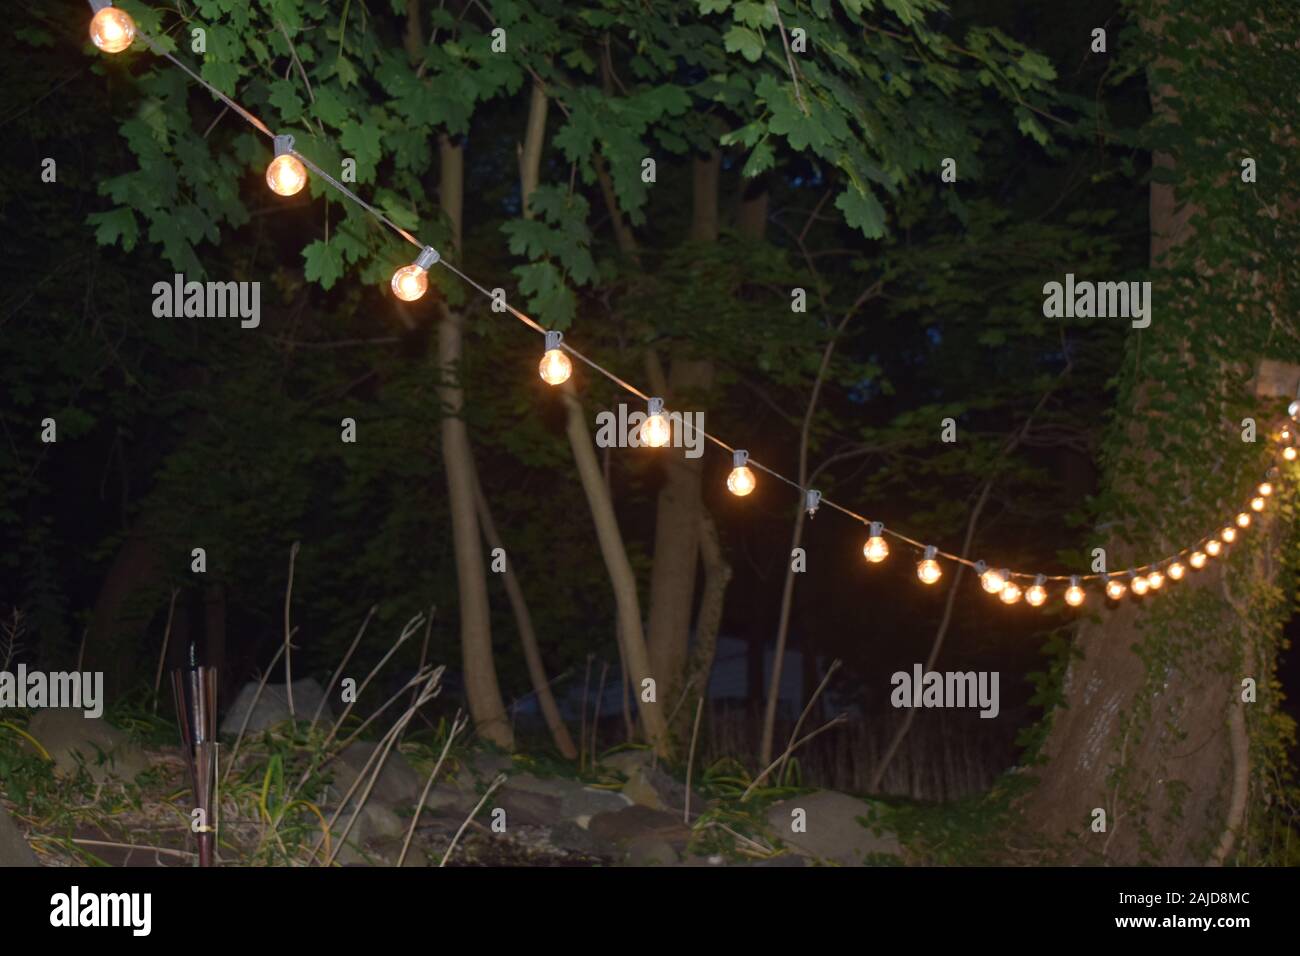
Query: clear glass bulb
<point x="1243" y="520"/>
<point x="1197" y="560"/>
<point x="1213" y="547"/>
<point x="876" y="549"/>
<point x="112" y="30"/>
<point x="1074" y="595"/>
<point x="1035" y="595"/>
<point x="409" y="283"/>
<point x="1010" y="593"/>
<point x="929" y="571"/>
<point x="1257" y="504"/>
<point x="1265" y="488"/>
<point x="1289" y="453"/>
<point x="656" y="432"/>
<point x="1139" y="586"/>
<point x="741" y="481"/>
<point x="1176" y="571"/>
<point x="993" y="581"/>
<point x="1115" y="590"/>
<point x="1294" y="409"/>
<point x="286" y="175"/>
<point x="555" y="367"/>
<point x="1156" y="580"/>
<point x="1228" y="535"/>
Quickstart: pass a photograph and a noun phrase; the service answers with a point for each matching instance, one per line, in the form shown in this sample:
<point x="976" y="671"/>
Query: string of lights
<point x="112" y="30"/>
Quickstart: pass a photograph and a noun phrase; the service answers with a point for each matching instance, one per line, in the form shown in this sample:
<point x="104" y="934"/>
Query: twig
<point x="835" y="664"/>
<point x="288" y="651"/>
<point x="690" y="761"/>
<point x="500" y="779"/>
<point x="458" y="723"/>
<point x="162" y="655"/>
<point x="329" y="689"/>
<point x="789" y="750"/>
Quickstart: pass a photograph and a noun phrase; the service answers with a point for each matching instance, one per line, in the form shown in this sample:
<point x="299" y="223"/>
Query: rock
<point x="14" y="848"/>
<point x="486" y="766"/>
<point x="398" y="783"/>
<point x="649" y="785"/>
<point x="649" y="851"/>
<point x="273" y="705"/>
<point x="623" y="826"/>
<point x="569" y="836"/>
<point x="388" y="851"/>
<point x="526" y="807"/>
<point x="559" y="787"/>
<point x="582" y="804"/>
<point x="105" y="750"/>
<point x="833" y="831"/>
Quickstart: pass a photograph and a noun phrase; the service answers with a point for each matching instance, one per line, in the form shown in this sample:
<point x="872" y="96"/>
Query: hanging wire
<point x="531" y="323"/>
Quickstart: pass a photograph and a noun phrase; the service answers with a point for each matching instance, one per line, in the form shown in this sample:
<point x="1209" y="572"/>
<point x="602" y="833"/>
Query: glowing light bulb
<point x="555" y="367"/>
<point x="411" y="282"/>
<point x="1139" y="585"/>
<point x="928" y="569"/>
<point x="741" y="481"/>
<point x="1115" y="589"/>
<point x="1228" y="534"/>
<point x="991" y="580"/>
<point x="1289" y="453"/>
<point x="1197" y="560"/>
<point x="1036" y="594"/>
<point x="655" y="430"/>
<point x="1074" y="594"/>
<point x="1156" y="580"/>
<point x="1257" y="504"/>
<point x="1177" y="570"/>
<point x="112" y="30"/>
<point x="1294" y="409"/>
<point x="877" y="548"/>
<point x="1243" y="520"/>
<point x="1213" y="547"/>
<point x="1265" y="488"/>
<point x="1010" y="593"/>
<point x="286" y="175"/>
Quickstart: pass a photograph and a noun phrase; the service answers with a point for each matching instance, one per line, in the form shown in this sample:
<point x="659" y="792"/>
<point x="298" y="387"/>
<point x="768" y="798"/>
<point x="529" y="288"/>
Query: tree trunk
<point x="680" y="504"/>
<point x="631" y="632"/>
<point x="111" y="646"/>
<point x="1155" y="734"/>
<point x="482" y="693"/>
<point x="527" y="636"/>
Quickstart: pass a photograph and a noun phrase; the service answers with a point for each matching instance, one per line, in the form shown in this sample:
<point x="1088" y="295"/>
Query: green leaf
<point x="745" y="41"/>
<point x="862" y="211"/>
<point x="117" y="224"/>
<point x="324" y="263"/>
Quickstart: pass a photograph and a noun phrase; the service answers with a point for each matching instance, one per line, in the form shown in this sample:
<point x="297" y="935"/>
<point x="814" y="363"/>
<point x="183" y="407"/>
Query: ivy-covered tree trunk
<point x="1156" y="748"/>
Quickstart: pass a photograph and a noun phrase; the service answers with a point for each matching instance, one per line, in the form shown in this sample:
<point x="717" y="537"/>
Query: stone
<point x="833" y="831"/>
<point x="582" y="804"/>
<point x="105" y="750"/>
<point x="397" y="783"/>
<point x="559" y="787"/>
<point x="14" y="848"/>
<point x="526" y="807"/>
<point x="388" y="852"/>
<point x="486" y="766"/>
<point x="649" y="851"/>
<point x="273" y="705"/>
<point x="623" y="826"/>
<point x="572" y="838"/>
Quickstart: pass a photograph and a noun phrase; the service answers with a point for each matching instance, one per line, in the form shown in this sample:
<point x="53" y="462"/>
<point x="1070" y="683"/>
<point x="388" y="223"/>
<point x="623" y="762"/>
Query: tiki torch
<point x="194" y="688"/>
